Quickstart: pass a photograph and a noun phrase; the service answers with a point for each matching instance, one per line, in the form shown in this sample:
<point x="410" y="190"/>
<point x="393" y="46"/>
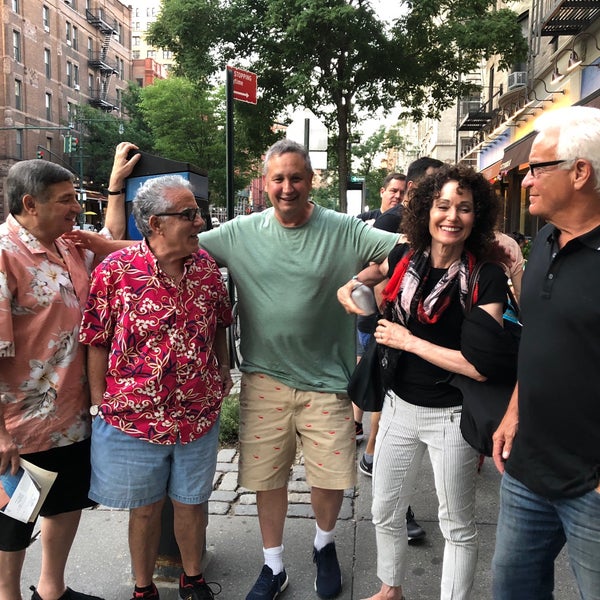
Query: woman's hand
<point x="393" y="335"/>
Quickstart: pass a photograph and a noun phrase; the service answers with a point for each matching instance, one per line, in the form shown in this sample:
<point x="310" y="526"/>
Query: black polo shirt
<point x="556" y="452"/>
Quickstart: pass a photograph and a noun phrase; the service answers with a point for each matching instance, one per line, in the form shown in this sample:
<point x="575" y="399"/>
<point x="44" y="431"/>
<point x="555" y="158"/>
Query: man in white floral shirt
<point x="44" y="406"/>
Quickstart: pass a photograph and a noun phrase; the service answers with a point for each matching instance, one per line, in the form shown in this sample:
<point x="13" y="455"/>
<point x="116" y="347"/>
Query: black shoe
<point x="328" y="582"/>
<point x="268" y="586"/>
<point x="198" y="590"/>
<point x="359" y="432"/>
<point x="414" y="530"/>
<point x="147" y="595"/>
<point x="69" y="594"/>
<point x="365" y="467"/>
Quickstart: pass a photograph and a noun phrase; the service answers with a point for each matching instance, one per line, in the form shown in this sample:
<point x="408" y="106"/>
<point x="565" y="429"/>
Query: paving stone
<point x="249" y="510"/>
<point x="225" y="467"/>
<point x="298" y="473"/>
<point x="298" y="486"/>
<point x="229" y="482"/>
<point x="226" y="455"/>
<point x="350" y="493"/>
<point x="218" y="508"/>
<point x="223" y="496"/>
<point x="247" y="499"/>
<point x="295" y="498"/>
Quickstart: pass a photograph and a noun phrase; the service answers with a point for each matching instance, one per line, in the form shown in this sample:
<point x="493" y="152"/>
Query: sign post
<point x="244" y="85"/>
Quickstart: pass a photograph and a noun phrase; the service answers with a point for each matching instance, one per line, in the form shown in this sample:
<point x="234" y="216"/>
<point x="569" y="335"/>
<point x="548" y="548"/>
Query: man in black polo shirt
<point x="548" y="444"/>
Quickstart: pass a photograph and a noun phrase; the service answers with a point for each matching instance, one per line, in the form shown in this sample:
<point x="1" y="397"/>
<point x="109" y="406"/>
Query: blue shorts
<point x="129" y="472"/>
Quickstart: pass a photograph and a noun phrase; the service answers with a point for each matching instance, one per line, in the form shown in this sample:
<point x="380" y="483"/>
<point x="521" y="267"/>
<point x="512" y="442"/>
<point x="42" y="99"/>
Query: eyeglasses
<point x="539" y="165"/>
<point x="191" y="214"/>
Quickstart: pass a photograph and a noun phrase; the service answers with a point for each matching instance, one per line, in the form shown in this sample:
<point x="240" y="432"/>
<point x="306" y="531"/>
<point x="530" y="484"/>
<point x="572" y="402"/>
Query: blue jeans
<point x="532" y="531"/>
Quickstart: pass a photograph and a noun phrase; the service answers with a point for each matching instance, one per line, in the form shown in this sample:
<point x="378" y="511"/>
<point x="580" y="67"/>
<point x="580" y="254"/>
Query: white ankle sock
<point x="274" y="558"/>
<point x="322" y="538"/>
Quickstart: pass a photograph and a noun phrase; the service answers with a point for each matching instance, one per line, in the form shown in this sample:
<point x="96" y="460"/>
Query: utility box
<point x="150" y="167"/>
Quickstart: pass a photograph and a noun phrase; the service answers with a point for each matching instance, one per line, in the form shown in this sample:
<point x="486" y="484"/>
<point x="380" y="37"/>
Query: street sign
<point x="244" y="85"/>
<point x="306" y="128"/>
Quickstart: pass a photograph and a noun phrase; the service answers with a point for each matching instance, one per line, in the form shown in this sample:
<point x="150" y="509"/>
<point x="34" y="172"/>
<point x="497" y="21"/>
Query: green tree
<point x="336" y="57"/>
<point x="99" y="133"/>
<point x="187" y="124"/>
<point x="365" y="153"/>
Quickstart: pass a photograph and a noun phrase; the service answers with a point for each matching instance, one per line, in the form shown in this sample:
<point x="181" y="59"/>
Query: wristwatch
<point x="95" y="410"/>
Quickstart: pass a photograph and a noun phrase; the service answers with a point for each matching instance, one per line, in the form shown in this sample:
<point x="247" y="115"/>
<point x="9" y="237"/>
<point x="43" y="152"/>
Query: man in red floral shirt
<point x="158" y="367"/>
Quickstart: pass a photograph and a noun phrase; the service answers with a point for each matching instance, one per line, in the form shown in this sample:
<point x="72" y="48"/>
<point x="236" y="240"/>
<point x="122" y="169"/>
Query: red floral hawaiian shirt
<point x="162" y="382"/>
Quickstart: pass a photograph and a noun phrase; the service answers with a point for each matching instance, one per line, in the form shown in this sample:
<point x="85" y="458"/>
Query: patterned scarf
<point x="403" y="295"/>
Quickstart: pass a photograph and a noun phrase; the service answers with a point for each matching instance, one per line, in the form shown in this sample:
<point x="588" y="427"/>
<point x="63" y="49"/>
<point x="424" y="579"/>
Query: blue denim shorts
<point x="129" y="472"/>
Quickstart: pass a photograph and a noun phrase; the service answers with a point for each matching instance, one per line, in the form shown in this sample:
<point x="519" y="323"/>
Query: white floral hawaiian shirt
<point x="42" y="374"/>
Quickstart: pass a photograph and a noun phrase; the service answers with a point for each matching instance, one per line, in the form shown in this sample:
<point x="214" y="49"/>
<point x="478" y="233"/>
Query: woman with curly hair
<point x="449" y="223"/>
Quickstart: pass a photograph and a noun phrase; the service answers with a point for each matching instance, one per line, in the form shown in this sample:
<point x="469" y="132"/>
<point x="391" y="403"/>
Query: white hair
<point x="578" y="135"/>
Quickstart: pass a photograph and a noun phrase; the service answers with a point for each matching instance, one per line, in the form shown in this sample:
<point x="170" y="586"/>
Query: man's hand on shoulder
<point x="95" y="242"/>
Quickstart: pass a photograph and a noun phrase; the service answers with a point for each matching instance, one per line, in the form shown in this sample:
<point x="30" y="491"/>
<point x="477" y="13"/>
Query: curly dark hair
<point x="415" y="219"/>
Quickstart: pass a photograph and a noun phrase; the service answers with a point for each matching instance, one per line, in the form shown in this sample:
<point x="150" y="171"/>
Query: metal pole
<point x="229" y="142"/>
<point x="307" y="134"/>
<point x="229" y="177"/>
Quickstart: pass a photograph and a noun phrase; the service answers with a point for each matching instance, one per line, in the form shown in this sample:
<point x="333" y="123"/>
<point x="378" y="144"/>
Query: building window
<point x="120" y="33"/>
<point x="122" y="68"/>
<point x="137" y="12"/>
<point x="48" y="106"/>
<point x="70" y="113"/>
<point x="68" y="33"/>
<point x="48" y="63"/>
<point x="18" y="94"/>
<point x="167" y="54"/>
<point x="119" y="97"/>
<point x="151" y="54"/>
<point x="16" y="6"/>
<point x="90" y="48"/>
<point x="17" y="46"/>
<point x="135" y="54"/>
<point x="46" y="18"/>
<point x="19" y="143"/>
<point x="69" y="74"/>
<point x="76" y="76"/>
<point x="135" y="40"/>
<point x="75" y="38"/>
<point x="90" y="82"/>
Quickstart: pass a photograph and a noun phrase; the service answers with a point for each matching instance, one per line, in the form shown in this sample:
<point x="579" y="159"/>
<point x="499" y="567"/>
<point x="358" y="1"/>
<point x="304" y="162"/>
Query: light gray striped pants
<point x="405" y="432"/>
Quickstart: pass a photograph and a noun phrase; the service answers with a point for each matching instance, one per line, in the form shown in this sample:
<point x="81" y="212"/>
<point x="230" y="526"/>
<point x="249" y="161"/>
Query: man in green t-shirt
<point x="298" y="348"/>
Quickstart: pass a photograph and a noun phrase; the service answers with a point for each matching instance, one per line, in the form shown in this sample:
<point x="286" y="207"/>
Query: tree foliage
<point x="337" y="57"/>
<point x="365" y="154"/>
<point x="99" y="134"/>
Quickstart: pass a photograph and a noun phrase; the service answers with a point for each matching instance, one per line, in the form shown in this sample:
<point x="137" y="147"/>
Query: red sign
<point x="244" y="85"/>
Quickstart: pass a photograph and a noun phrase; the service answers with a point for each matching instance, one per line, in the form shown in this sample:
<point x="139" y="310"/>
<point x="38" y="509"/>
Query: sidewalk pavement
<point x="99" y="561"/>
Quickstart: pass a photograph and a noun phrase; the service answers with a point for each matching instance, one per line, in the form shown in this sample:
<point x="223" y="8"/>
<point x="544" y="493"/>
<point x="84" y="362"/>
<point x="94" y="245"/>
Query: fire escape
<point x="100" y="63"/>
<point x="553" y="18"/>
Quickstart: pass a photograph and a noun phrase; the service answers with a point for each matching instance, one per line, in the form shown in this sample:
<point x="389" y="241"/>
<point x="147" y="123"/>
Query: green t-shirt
<point x="292" y="326"/>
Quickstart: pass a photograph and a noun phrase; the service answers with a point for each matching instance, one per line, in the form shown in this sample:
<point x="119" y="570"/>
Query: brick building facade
<point x="57" y="55"/>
